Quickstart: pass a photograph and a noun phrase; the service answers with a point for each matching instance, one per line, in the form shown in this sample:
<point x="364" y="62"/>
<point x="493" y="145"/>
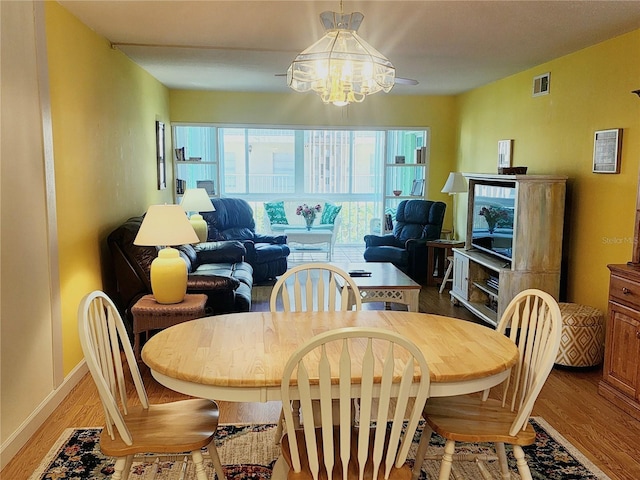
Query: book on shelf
<point x="421" y="155"/>
<point x="492" y="282"/>
<point x="181" y="185"/>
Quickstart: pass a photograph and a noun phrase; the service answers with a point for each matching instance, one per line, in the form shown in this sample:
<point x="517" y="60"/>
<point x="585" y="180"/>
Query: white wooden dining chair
<point x="313" y="287"/>
<point x="385" y="372"/>
<point x="317" y="287"/>
<point x="169" y="428"/>
<point x="533" y="321"/>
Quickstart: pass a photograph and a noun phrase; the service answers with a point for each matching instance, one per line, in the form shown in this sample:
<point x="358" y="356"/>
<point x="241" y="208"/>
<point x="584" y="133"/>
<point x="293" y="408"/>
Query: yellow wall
<point x="296" y="109"/>
<point x="589" y="90"/>
<point x="104" y="109"/>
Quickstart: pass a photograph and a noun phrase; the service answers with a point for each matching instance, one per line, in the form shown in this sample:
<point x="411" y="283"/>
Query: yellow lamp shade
<point x="169" y="276"/>
<point x="200" y="226"/>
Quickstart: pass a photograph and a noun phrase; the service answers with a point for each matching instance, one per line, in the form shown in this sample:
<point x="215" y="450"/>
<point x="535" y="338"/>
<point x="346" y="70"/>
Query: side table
<point x="437" y="252"/>
<point x="151" y="315"/>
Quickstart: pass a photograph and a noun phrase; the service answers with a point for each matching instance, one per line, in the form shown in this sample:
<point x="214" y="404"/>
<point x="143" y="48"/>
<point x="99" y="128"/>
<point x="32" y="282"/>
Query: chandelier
<point x="341" y="67"/>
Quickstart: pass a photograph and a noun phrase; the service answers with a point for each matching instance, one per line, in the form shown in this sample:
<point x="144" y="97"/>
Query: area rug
<point x="249" y="452"/>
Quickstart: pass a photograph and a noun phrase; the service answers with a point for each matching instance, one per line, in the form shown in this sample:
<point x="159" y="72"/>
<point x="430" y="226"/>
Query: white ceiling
<point x="448" y="46"/>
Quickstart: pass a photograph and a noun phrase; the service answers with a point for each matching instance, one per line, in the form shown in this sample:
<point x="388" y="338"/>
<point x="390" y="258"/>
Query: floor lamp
<point x="456" y="183"/>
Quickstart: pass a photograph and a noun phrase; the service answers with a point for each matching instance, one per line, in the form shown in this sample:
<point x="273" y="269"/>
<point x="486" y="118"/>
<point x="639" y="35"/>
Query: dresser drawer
<point x="624" y="291"/>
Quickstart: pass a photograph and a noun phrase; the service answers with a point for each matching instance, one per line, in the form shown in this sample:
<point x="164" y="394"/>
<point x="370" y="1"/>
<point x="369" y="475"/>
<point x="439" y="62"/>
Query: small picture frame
<point x="180" y="154"/>
<point x="208" y="185"/>
<point x="399" y="159"/>
<point x="505" y="148"/>
<point x="160" y="156"/>
<point x="417" y="189"/>
<point x="607" y="149"/>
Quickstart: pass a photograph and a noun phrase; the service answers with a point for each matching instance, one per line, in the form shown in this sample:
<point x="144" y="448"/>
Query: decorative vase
<point x="309" y="222"/>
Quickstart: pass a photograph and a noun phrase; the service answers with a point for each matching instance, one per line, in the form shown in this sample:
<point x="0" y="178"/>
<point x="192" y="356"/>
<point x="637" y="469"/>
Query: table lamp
<point x="197" y="200"/>
<point x="166" y="225"/>
<point x="456" y="183"/>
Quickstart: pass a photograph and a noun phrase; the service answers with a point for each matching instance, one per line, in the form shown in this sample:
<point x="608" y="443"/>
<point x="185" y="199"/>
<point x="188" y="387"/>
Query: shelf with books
<point x="194" y="162"/>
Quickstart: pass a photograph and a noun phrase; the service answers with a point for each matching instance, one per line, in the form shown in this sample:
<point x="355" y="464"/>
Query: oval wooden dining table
<point x="240" y="357"/>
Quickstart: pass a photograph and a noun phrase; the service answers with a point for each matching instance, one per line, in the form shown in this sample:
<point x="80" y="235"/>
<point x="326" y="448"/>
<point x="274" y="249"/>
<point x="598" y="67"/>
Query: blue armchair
<point x="417" y="221"/>
<point x="233" y="220"/>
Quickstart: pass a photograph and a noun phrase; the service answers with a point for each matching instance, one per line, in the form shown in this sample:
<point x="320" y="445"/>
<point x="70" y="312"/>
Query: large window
<point x="342" y="166"/>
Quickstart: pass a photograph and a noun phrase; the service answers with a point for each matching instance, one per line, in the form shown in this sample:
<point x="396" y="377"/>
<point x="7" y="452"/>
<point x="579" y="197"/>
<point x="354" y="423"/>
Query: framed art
<point x="505" y="147"/>
<point x="607" y="147"/>
<point x="208" y="185"/>
<point x="160" y="156"/>
<point x="417" y="189"/>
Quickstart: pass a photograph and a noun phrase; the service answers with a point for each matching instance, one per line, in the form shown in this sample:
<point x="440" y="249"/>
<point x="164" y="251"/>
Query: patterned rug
<point x="249" y="452"/>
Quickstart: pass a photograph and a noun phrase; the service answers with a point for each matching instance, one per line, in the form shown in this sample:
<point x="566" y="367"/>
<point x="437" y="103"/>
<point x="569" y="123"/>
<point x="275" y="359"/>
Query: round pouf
<point x="582" y="339"/>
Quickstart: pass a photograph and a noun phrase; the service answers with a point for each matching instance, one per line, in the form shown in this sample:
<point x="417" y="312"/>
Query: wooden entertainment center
<point x="485" y="280"/>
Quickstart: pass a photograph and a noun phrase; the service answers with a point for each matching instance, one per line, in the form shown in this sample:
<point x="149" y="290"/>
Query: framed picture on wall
<point x="160" y="156"/>
<point x="505" y="147"/>
<point x="607" y="146"/>
<point x="417" y="189"/>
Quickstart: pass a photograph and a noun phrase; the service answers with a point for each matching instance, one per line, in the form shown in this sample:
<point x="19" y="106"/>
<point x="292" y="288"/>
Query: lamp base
<point x="200" y="226"/>
<point x="169" y="277"/>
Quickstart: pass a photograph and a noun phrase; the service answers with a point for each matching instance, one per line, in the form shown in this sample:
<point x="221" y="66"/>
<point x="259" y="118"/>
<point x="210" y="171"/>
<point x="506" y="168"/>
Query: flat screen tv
<point x="492" y="218"/>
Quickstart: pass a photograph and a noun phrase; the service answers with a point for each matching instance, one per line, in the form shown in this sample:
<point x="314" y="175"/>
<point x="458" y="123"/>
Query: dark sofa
<point x="216" y="269"/>
<point x="233" y="220"/>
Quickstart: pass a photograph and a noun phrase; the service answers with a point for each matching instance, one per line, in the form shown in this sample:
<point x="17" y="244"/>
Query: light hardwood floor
<point x="569" y="402"/>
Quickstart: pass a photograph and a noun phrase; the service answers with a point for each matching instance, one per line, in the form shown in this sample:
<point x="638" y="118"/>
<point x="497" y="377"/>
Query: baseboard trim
<point x="21" y="436"/>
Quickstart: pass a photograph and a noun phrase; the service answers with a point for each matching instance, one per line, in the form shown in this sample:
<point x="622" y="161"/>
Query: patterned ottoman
<point x="582" y="338"/>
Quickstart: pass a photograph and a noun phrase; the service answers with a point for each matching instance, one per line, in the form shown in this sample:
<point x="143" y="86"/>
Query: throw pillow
<point x="329" y="213"/>
<point x="275" y="212"/>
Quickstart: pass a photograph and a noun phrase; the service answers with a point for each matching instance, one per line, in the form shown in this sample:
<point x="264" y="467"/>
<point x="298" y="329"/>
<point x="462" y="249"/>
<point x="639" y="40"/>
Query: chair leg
<point x="215" y="459"/>
<point x="421" y="453"/>
<point x="295" y="406"/>
<point x="521" y="461"/>
<point x="122" y="467"/>
<point x="447" y="274"/>
<point x="198" y="462"/>
<point x="279" y="427"/>
<point x="502" y="458"/>
<point x="447" y="460"/>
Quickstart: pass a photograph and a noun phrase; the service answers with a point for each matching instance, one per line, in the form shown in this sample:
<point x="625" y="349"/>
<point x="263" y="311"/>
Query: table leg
<point x="136" y="345"/>
<point x="430" y="265"/>
<point x="413" y="300"/>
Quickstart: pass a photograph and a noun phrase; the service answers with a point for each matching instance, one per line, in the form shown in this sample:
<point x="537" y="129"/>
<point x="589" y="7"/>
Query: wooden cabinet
<point x="525" y="251"/>
<point x="476" y="281"/>
<point x="460" y="288"/>
<point x="621" y="374"/>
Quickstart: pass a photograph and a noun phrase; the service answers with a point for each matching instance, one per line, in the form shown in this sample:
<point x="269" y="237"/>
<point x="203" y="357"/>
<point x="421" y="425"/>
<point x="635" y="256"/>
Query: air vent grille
<point x="541" y="84"/>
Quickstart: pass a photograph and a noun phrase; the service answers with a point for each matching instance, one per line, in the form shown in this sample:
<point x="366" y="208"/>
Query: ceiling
<point x="448" y="46"/>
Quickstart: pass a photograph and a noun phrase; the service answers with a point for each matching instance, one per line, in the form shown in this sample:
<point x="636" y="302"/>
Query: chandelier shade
<point x="341" y="67"/>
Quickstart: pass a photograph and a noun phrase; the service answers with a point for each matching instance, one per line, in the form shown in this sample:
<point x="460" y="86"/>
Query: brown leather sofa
<point x="216" y="269"/>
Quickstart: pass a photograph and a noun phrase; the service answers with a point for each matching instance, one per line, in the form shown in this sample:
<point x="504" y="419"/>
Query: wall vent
<point x="541" y="84"/>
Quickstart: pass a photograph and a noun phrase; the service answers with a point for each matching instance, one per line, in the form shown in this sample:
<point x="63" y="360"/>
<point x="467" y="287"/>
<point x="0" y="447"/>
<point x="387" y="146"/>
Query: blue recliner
<point x="417" y="221"/>
<point x="233" y="220"/>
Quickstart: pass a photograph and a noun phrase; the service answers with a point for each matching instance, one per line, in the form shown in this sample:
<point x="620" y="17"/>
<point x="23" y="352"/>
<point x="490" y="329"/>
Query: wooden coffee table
<point x="387" y="283"/>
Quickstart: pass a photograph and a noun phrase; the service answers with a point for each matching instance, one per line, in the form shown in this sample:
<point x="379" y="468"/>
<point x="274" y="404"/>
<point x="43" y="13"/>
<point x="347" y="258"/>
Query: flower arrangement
<point x="495" y="216"/>
<point x="308" y="213"/>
